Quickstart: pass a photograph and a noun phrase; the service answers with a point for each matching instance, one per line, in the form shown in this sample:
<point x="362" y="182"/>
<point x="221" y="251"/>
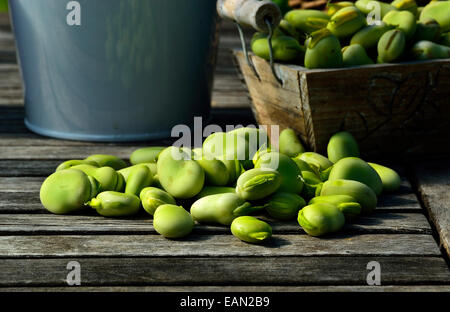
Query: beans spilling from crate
<point x="231" y="181"/>
<point x="362" y="33"/>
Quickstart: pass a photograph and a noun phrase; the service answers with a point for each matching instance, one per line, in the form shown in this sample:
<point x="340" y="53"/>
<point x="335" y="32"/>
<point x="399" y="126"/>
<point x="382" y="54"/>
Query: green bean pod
<point x="109" y="179"/>
<point x="311" y="190"/>
<point x="323" y="50"/>
<point x="427" y="50"/>
<point x="108" y="161"/>
<point x="355" y="55"/>
<point x="346" y="204"/>
<point x="402" y="20"/>
<point x="72" y="163"/>
<point x="258" y="183"/>
<point x="363" y="194"/>
<point x="369" y="36"/>
<point x="408" y="5"/>
<point x="125" y="172"/>
<point x="251" y="230"/>
<point x="285" y="48"/>
<point x="316" y="161"/>
<point x="342" y="145"/>
<point x="180" y="176"/>
<point x="367" y="6"/>
<point x="332" y="8"/>
<point x="289" y="30"/>
<point x="221" y="208"/>
<point x="304" y="166"/>
<point x="139" y="178"/>
<point x="307" y="21"/>
<point x="346" y="22"/>
<point x="320" y="219"/>
<point x="391" y="46"/>
<point x="429" y="30"/>
<point x="115" y="204"/>
<point x="146" y="155"/>
<point x="227" y="146"/>
<point x="234" y="168"/>
<point x="214" y="190"/>
<point x="152" y="198"/>
<point x="290" y="144"/>
<point x="173" y="221"/>
<point x="216" y="172"/>
<point x="390" y="179"/>
<point x="439" y="11"/>
<point x="284" y="206"/>
<point x="291" y="176"/>
<point x="353" y="168"/>
<point x="67" y="191"/>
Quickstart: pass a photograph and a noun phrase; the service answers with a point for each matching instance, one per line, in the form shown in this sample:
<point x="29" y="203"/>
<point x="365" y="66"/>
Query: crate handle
<point x="271" y="59"/>
<point x="272" y="63"/>
<point x="250" y="13"/>
<point x="261" y="15"/>
<point x="244" y="49"/>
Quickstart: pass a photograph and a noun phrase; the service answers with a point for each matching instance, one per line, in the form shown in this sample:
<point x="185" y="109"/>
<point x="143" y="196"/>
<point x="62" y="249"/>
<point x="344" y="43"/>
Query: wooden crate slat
<point x="224" y="271"/>
<point x="197" y="245"/>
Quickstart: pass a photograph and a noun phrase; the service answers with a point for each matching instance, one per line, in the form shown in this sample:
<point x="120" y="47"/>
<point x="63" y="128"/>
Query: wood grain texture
<point x="64" y="152"/>
<point x="197" y="245"/>
<point x="224" y="271"/>
<point x="228" y="289"/>
<point x="27" y="168"/>
<point x="399" y="202"/>
<point x="433" y="180"/>
<point x="46" y="224"/>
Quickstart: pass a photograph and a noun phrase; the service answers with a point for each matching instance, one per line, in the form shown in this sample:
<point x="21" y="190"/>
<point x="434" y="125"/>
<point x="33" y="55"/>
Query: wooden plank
<point x="27" y="168"/>
<point x="224" y="84"/>
<point x="220" y="116"/>
<point x="21" y="181"/>
<point x="45" y="224"/>
<point x="224" y="271"/>
<point x="433" y="180"/>
<point x="64" y="152"/>
<point x="229" y="289"/>
<point x="399" y="202"/>
<point x="21" y="185"/>
<point x="196" y="245"/>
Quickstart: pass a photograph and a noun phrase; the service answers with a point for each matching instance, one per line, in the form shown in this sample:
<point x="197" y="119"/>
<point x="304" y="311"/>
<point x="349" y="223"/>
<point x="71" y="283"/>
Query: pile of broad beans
<point x="361" y="33"/>
<point x="232" y="178"/>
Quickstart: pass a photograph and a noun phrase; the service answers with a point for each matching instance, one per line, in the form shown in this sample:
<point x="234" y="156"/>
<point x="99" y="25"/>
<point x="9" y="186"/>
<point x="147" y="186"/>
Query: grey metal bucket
<point x="114" y="70"/>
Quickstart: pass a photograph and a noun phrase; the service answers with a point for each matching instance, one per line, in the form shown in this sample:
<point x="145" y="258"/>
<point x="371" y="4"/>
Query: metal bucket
<point x="114" y="70"/>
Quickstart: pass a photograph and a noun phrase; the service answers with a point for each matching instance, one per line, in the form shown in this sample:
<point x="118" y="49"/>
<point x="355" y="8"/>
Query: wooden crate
<point x="394" y="110"/>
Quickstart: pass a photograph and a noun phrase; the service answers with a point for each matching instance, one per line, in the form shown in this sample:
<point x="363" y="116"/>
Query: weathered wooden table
<point x="408" y="235"/>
